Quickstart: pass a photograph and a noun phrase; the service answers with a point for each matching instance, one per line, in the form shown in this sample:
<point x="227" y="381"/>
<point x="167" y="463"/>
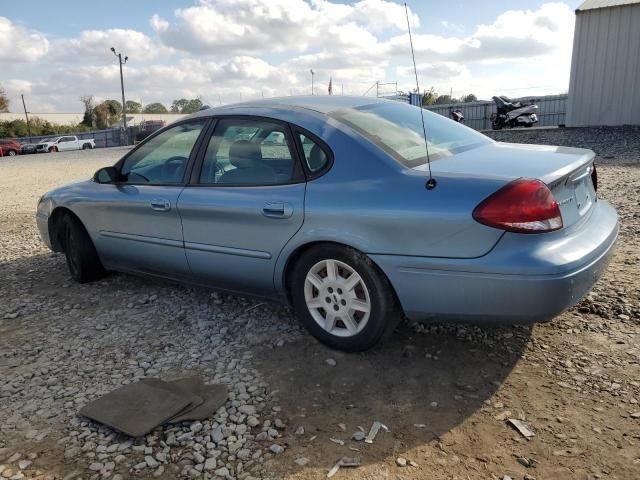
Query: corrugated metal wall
<point x="477" y="115"/>
<point x="605" y="68"/>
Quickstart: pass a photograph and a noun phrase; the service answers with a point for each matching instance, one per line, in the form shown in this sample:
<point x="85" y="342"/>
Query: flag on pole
<point x="330" y="86"/>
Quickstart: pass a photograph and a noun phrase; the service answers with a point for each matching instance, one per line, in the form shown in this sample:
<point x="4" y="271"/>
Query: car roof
<point x="318" y="103"/>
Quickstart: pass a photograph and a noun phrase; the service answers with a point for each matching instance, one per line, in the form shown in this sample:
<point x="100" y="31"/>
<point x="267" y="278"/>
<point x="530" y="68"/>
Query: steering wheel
<point x="137" y="175"/>
<point x="172" y="166"/>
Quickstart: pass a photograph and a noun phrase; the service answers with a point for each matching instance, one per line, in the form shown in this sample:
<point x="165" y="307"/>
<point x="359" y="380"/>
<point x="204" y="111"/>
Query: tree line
<point x="106" y="113"/>
<point x="431" y="97"/>
<point x="96" y="116"/>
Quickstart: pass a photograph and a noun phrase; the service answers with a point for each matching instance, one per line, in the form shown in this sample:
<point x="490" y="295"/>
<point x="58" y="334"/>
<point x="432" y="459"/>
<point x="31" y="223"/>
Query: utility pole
<point x="311" y="81"/>
<point x="26" y="115"/>
<point x="124" y="105"/>
<point x="377" y="88"/>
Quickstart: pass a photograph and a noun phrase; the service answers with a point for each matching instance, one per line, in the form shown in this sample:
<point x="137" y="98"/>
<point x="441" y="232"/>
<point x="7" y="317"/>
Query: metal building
<point x="604" y="87"/>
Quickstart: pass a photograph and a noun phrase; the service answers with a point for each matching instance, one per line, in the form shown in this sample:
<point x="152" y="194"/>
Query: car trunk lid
<point x="565" y="170"/>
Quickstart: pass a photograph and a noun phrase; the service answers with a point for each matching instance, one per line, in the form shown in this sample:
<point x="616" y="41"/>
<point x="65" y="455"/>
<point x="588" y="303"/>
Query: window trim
<point x="297" y="130"/>
<point x="190" y="160"/>
<point x="299" y="172"/>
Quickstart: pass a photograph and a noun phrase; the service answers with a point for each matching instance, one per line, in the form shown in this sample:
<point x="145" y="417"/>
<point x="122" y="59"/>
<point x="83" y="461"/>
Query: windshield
<point x="397" y="129"/>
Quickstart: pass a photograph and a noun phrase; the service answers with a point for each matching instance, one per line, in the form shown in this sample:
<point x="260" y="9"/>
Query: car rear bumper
<point x="525" y="278"/>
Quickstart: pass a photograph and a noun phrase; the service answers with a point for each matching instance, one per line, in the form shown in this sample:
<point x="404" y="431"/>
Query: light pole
<point x="124" y="105"/>
<point x="26" y="115"/>
<point x="311" y="81"/>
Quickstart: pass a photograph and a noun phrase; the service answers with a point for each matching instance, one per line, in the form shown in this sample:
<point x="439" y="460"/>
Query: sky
<point x="226" y="51"/>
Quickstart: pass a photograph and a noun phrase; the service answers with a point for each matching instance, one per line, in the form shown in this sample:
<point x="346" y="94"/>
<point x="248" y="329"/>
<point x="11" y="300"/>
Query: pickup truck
<point x="65" y="143"/>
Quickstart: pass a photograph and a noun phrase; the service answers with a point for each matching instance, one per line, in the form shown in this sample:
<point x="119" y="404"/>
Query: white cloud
<point x="381" y="15"/>
<point x="18" y="44"/>
<point x="97" y="44"/>
<point x="228" y="49"/>
<point x="254" y="26"/>
<point x="514" y="34"/>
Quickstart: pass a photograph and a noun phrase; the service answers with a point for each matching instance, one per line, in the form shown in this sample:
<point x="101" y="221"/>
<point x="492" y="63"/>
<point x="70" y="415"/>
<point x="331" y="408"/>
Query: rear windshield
<point x="397" y="129"/>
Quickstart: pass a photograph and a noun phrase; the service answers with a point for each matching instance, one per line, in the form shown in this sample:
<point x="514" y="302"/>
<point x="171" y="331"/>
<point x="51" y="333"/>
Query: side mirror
<point x="106" y="175"/>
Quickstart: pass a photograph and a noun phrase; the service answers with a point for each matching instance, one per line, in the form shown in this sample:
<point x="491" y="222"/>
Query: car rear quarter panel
<point x="370" y="202"/>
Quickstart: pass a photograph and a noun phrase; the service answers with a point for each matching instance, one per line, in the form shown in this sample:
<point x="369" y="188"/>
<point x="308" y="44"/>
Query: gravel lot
<point x="444" y="391"/>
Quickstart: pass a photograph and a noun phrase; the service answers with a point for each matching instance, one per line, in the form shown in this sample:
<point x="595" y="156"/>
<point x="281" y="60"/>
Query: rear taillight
<point x="594" y="177"/>
<point x="524" y="206"/>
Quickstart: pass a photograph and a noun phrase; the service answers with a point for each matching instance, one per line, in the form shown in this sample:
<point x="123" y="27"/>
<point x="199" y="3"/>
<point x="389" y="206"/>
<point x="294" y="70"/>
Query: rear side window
<point x="314" y="155"/>
<point x="397" y="129"/>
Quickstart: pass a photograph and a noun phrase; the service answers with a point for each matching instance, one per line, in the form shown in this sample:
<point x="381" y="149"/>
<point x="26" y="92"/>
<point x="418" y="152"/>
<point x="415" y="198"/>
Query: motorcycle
<point x="456" y="116"/>
<point x="513" y="114"/>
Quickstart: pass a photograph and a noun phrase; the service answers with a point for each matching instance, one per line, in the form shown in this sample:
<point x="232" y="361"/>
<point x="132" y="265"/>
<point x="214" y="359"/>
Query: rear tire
<point x="82" y="258"/>
<point x="12" y="153"/>
<point x="353" y="309"/>
<point x="86" y="146"/>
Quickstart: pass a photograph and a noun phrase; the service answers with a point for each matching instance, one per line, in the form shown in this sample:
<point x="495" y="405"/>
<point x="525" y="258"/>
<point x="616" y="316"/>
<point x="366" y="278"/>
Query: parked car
<point x="65" y="143"/>
<point x="338" y="221"/>
<point x="27" y="148"/>
<point x="9" y="148"/>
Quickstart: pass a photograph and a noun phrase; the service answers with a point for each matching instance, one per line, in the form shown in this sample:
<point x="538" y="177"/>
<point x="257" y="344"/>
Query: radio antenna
<point x="431" y="183"/>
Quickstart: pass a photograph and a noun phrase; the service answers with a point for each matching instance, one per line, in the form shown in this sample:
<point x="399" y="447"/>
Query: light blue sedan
<point x="321" y="202"/>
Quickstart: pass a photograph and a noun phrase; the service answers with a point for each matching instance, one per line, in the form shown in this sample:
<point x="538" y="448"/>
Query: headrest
<point x="243" y="153"/>
<point x="317" y="158"/>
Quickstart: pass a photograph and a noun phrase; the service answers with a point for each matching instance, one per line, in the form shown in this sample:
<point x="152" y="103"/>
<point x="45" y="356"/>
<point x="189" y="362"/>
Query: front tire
<point x="12" y="153"/>
<point x="86" y="146"/>
<point x="343" y="299"/>
<point x="82" y="258"/>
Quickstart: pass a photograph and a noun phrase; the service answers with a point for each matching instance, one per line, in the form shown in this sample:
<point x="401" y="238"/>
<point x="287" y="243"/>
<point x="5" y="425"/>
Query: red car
<point x="9" y="148"/>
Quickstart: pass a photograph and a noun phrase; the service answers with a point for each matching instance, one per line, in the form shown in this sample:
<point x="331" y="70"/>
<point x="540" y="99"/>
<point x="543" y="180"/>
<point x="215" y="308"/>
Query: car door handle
<point x="277" y="210"/>
<point x="161" y="205"/>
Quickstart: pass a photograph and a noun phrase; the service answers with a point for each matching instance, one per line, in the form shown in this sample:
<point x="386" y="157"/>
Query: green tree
<point x="155" y="108"/>
<point x="444" y="99"/>
<point x="133" y="107"/>
<point x="192" y="106"/>
<point x="4" y="101"/>
<point x="178" y="105"/>
<point x="469" y="98"/>
<point x="114" y="107"/>
<point x="183" y="105"/>
<point x="430" y="97"/>
<point x="88" y="117"/>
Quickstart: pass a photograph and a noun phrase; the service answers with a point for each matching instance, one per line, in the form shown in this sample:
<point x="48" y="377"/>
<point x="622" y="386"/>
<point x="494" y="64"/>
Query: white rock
<point x="210" y="464"/>
<point x="277" y="449"/>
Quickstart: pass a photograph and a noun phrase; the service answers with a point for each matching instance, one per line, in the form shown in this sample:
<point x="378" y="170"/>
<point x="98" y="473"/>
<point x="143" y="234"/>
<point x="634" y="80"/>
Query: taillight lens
<point x="594" y="178"/>
<point x="524" y="206"/>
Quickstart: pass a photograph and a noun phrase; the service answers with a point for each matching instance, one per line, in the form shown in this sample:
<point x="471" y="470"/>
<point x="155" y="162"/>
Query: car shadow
<point x="420" y="384"/>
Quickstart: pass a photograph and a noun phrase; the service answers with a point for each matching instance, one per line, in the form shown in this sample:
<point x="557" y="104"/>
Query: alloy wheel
<point x="337" y="298"/>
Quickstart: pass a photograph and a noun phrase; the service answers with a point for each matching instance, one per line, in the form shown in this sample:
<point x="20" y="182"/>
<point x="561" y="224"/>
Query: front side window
<point x="163" y="159"/>
<point x="397" y="129"/>
<point x="248" y="152"/>
<point x="314" y="155"/>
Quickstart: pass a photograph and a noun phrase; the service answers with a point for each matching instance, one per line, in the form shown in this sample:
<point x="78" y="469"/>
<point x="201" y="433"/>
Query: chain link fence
<point x="111" y="137"/>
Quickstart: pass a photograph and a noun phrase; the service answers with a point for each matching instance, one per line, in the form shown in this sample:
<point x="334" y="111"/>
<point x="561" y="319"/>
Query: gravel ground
<point x="444" y="391"/>
<point x="613" y="145"/>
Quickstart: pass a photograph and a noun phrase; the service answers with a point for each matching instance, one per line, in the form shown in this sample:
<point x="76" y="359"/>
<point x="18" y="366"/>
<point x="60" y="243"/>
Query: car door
<point x="245" y="202"/>
<point x="137" y="218"/>
<point x="64" y="144"/>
